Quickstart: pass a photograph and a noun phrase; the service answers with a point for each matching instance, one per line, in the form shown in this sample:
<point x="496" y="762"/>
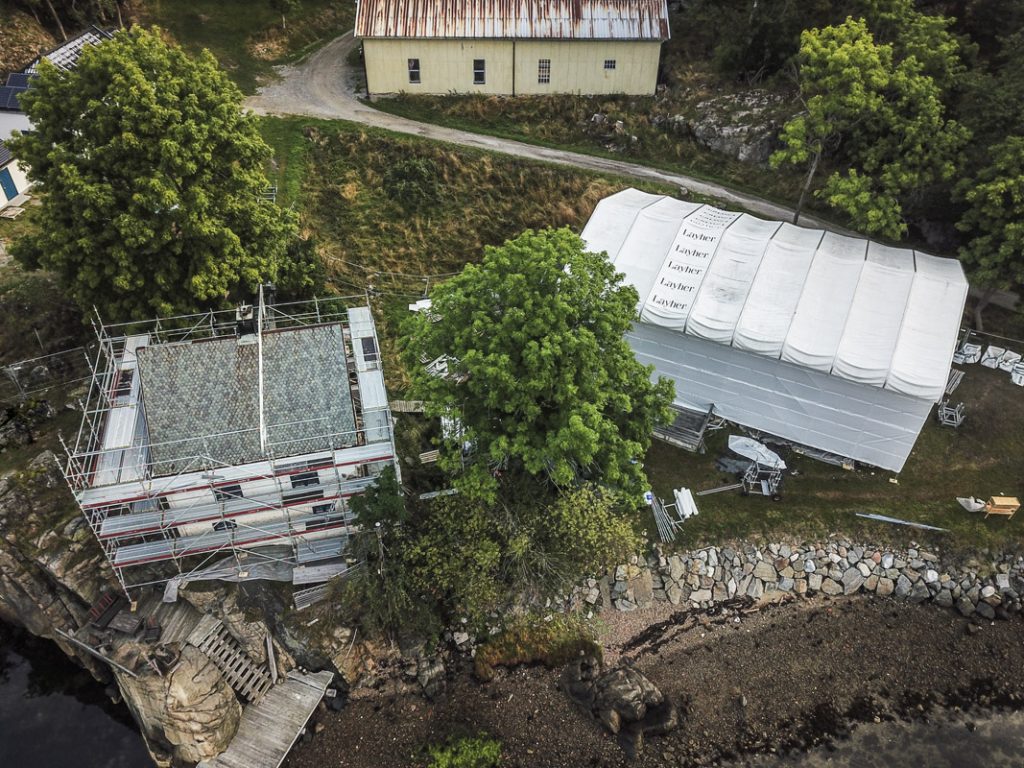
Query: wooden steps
<point x="244" y="675"/>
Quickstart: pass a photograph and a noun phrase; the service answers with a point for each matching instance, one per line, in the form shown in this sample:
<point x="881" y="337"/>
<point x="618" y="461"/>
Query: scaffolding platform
<point x="687" y="429"/>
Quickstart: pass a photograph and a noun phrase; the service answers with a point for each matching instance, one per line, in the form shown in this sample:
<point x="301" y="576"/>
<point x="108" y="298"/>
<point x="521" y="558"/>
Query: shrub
<point x="467" y="752"/>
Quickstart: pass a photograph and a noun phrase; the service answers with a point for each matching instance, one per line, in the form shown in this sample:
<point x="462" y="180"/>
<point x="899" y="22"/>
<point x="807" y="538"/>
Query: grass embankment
<point x="247" y="37"/>
<point x="342" y="179"/>
<point x="566" y="122"/>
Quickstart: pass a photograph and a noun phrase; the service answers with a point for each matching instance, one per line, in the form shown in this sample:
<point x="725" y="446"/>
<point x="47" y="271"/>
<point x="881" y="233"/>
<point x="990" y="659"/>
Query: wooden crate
<point x="1002" y="505"/>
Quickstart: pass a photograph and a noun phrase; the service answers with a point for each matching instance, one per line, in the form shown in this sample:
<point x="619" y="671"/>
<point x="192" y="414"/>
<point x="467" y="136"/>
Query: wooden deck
<point x="269" y="728"/>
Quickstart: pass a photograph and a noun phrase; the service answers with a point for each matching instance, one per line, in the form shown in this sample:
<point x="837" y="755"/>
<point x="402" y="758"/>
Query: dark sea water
<point x="53" y="714"/>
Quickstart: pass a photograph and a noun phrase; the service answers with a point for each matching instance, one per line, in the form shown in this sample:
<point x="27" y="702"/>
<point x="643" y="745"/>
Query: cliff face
<point x="51" y="571"/>
<point x="51" y="567"/>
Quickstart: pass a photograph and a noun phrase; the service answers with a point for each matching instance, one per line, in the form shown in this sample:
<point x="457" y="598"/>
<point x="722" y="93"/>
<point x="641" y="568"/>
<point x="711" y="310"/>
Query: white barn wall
<point x="446" y="66"/>
<point x="577" y="66"/>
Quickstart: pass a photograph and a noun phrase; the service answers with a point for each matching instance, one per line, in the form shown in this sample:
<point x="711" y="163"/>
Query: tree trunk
<point x="983" y="301"/>
<point x="284" y="23"/>
<point x="120" y="19"/>
<point x="56" y="17"/>
<point x="807" y="187"/>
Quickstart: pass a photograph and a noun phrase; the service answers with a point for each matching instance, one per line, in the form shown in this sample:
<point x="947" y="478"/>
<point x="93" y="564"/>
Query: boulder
<point x="622" y="699"/>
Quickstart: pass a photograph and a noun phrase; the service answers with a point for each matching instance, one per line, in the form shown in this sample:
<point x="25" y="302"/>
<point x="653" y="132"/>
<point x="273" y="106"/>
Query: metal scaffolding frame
<point x="145" y="538"/>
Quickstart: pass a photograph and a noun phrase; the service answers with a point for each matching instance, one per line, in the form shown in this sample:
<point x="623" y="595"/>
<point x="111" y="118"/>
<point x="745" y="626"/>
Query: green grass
<point x="564" y="122"/>
<point x="982" y="458"/>
<point x="246" y="35"/>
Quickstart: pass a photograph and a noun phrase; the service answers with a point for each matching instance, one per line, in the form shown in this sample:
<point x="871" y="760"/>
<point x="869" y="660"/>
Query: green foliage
<point x="285" y="7"/>
<point x="151" y="178"/>
<point x="301" y="273"/>
<point x="994" y="221"/>
<point x="467" y="752"/>
<point x="454" y="556"/>
<point x="883" y="116"/>
<point x="412" y="182"/>
<point x="540" y="374"/>
<point x="381" y="503"/>
<point x="553" y="641"/>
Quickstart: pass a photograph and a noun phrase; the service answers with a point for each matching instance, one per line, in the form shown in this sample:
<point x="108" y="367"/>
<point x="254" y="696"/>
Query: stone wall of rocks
<point x="708" y="576"/>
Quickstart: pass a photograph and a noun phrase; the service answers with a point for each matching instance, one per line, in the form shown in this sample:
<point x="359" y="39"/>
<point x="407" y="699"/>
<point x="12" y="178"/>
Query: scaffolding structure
<point x="166" y="510"/>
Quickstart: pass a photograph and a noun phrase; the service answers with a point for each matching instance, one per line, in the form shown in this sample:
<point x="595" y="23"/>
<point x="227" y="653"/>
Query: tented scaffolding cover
<point x="773" y="298"/>
<point x="927" y="340"/>
<point x="871" y="314"/>
<point x="722" y="295"/>
<point x="683" y="269"/>
<point x="612" y="219"/>
<point x="825" y="302"/>
<point x="651" y="237"/>
<point x="865" y="352"/>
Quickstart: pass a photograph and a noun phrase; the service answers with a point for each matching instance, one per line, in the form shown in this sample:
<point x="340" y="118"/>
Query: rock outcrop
<point x="188" y="714"/>
<point x="622" y="699"/>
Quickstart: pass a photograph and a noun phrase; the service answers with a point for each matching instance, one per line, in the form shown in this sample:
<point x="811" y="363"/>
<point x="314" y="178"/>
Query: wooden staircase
<point x="244" y="675"/>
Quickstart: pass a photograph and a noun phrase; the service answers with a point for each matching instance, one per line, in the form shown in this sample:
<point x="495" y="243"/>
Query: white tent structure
<point x="831" y="342"/>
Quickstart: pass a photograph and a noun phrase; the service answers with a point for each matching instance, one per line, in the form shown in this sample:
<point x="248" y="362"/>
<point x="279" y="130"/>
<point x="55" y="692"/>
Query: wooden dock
<point x="269" y="728"/>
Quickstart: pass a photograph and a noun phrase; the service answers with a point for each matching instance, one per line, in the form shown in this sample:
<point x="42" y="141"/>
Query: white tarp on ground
<point x="881" y="316"/>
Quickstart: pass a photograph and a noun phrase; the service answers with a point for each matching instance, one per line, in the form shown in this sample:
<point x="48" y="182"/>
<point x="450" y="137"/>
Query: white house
<point x="834" y="343"/>
<point x="512" y="47"/>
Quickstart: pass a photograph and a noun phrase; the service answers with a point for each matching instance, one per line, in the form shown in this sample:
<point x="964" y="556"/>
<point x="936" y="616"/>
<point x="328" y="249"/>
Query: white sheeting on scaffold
<point x="877" y="324"/>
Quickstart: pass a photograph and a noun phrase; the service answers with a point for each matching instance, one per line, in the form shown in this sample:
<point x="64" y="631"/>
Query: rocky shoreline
<point x="713" y="575"/>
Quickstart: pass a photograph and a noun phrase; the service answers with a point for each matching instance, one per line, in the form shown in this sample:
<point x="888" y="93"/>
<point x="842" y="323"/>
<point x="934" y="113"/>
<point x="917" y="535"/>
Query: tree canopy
<point x="539" y="373"/>
<point x="994" y="221"/>
<point x="882" y="115"/>
<point x="151" y="177"/>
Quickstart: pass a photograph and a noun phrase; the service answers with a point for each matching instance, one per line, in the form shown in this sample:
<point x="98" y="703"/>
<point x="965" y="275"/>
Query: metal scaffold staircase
<point x="244" y="675"/>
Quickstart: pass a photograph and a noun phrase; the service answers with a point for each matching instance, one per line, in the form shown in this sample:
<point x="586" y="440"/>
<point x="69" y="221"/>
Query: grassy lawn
<point x="982" y="458"/>
<point x="246" y="37"/>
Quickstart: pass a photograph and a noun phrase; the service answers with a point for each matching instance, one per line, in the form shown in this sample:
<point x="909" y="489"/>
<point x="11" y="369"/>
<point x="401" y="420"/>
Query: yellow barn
<point x="512" y="47"/>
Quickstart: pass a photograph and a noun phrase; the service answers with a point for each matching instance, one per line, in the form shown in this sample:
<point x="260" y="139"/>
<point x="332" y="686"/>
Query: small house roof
<point x="514" y="19"/>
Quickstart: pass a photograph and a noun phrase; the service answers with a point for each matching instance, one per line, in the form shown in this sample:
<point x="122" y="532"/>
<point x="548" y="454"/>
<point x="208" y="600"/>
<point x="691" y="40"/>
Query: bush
<point x="468" y="752"/>
<point x="413" y="182"/>
<point x="553" y="643"/>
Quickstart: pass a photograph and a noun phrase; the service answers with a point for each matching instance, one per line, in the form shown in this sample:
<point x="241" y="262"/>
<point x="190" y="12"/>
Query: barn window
<point x="414" y="70"/>
<point x="479" y="72"/>
<point x="609" y="63"/>
<point x="543" y="70"/>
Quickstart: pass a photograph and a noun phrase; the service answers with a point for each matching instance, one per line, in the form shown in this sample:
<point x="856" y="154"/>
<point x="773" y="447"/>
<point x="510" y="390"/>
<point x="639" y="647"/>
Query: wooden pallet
<point x="243" y="674"/>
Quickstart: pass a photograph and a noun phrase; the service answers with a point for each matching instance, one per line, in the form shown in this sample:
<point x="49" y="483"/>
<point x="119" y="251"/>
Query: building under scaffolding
<point x="228" y="443"/>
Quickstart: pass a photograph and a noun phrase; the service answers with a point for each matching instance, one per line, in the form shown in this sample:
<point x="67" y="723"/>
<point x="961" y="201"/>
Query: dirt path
<point x="324" y="86"/>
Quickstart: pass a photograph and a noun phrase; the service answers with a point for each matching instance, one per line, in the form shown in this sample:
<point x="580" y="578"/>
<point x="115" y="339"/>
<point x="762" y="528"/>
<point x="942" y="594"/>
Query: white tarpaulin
<point x="749" y="448"/>
<point x="876" y="325"/>
<point x="773" y="298"/>
<point x="882" y="316"/>
<point x="825" y="302"/>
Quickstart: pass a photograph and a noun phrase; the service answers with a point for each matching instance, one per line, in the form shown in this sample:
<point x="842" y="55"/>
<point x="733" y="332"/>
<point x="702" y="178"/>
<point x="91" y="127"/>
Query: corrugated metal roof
<point x="522" y="19"/>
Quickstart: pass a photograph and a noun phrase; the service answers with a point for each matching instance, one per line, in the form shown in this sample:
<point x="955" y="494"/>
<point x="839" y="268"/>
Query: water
<point x="947" y="740"/>
<point x="53" y="714"/>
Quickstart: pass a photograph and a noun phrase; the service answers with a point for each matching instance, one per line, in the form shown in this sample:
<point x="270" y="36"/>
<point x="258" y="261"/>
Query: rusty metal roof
<point x="521" y="19"/>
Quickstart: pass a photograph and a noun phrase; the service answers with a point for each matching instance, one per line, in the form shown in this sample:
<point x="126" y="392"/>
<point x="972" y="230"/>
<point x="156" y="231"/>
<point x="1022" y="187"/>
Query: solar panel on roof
<point x="5" y="95"/>
<point x="18" y="80"/>
<point x="12" y="98"/>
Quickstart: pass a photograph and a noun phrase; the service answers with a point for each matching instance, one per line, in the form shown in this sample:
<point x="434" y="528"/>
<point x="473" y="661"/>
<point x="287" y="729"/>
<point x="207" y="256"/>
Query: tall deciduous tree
<point x="539" y="373"/>
<point x="882" y="118"/>
<point x="994" y="222"/>
<point x="151" y="177"/>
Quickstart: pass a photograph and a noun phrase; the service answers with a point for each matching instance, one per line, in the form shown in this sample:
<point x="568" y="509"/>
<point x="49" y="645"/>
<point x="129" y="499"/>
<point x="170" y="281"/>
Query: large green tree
<point x="994" y="222"/>
<point x="151" y="179"/>
<point x="881" y="119"/>
<point x="539" y="373"/>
